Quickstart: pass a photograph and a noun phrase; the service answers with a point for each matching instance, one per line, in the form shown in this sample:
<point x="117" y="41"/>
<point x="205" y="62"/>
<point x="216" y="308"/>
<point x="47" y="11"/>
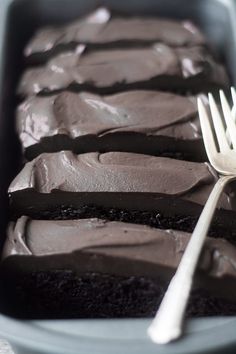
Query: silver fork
<point x="221" y="151"/>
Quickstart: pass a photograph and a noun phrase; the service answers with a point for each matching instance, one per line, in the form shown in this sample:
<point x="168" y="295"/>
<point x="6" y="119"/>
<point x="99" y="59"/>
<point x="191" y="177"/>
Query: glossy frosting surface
<point x="79" y="114"/>
<point x="100" y="28"/>
<point x="157" y="66"/>
<point x="115" y="172"/>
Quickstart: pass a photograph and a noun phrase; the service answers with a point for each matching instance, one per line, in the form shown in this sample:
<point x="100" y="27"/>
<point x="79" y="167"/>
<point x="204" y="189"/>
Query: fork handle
<point x="167" y="324"/>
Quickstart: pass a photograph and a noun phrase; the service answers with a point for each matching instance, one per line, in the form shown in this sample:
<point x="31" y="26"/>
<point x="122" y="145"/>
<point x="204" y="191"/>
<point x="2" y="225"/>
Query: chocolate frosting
<point x="78" y="177"/>
<point x="155" y="67"/>
<point x="100" y="29"/>
<point x="93" y="245"/>
<point x="79" y="115"/>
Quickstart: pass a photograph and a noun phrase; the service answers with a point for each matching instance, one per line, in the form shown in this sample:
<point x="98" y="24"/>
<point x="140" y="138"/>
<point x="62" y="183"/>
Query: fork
<point x="220" y="146"/>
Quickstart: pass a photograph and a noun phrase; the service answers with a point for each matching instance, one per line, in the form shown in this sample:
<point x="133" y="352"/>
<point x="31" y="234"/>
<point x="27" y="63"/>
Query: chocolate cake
<point x="100" y="29"/>
<point x="51" y="269"/>
<point x="150" y="122"/>
<point x="108" y="71"/>
<point x="99" y="217"/>
<point x="158" y="191"/>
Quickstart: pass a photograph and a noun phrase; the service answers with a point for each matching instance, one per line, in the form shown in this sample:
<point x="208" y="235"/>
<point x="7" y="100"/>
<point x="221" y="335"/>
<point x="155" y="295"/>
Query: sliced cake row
<point x="96" y="268"/>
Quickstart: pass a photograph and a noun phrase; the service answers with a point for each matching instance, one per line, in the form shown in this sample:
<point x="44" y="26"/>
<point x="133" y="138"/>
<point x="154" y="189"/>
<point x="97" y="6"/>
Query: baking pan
<point x="18" y="21"/>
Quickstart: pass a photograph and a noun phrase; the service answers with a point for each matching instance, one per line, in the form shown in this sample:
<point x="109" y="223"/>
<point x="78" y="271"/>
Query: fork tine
<point x="228" y="118"/>
<point x="208" y="137"/>
<point x="233" y="94"/>
<point x="218" y="125"/>
<point x="233" y="111"/>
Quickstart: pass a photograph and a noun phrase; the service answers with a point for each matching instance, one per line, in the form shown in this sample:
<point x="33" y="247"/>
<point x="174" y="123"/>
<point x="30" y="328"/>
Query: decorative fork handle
<point x="167" y="324"/>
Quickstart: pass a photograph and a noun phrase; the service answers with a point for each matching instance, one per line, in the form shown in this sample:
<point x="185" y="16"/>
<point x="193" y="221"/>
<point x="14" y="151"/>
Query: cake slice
<point x="101" y="29"/>
<point x="137" y="188"/>
<point x="109" y="71"/>
<point x="150" y="122"/>
<point x="96" y="268"/>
